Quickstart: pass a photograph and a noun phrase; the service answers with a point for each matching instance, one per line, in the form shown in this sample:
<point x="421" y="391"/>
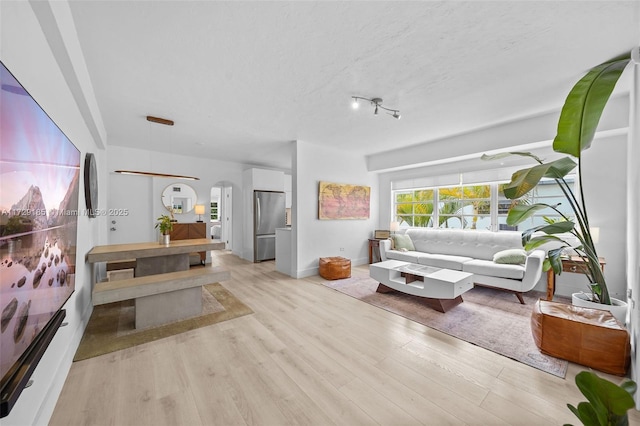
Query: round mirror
<point x="179" y="198"/>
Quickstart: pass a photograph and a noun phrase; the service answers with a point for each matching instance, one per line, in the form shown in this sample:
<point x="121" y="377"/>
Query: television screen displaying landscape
<point x="39" y="172"/>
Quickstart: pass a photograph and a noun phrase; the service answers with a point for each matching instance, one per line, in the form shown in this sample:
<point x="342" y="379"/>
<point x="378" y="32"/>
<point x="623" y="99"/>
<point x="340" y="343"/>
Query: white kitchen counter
<point x="283" y="251"/>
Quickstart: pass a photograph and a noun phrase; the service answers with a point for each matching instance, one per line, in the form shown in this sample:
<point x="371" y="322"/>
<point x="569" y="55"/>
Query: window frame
<point x="495" y="201"/>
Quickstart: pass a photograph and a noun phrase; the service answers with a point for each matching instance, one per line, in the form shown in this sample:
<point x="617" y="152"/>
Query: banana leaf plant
<point x="576" y="128"/>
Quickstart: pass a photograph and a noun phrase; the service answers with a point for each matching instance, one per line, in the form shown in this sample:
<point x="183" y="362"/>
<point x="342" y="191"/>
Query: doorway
<point x="221" y="213"/>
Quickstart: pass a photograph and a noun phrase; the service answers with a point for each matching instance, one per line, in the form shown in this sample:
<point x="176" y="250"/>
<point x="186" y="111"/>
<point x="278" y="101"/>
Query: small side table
<point x="574" y="264"/>
<point x="374" y="249"/>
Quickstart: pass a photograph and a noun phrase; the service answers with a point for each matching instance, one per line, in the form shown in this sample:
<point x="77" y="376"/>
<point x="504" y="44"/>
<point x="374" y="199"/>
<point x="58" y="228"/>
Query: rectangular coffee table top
<point x="419" y="270"/>
<point x="438" y="282"/>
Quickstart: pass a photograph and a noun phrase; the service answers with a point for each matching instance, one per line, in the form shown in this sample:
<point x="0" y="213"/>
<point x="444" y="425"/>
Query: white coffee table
<point x="441" y="289"/>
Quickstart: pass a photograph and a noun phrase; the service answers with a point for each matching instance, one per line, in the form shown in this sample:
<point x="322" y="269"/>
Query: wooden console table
<point x="164" y="288"/>
<point x="574" y="264"/>
<point x="190" y="231"/>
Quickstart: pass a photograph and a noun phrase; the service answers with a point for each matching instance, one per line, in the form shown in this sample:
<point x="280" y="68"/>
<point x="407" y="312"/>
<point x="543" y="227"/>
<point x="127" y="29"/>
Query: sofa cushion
<point x="445" y="261"/>
<point x="405" y="256"/>
<point x="511" y="256"/>
<point x="464" y="242"/>
<point x="402" y="242"/>
<point x="488" y="267"/>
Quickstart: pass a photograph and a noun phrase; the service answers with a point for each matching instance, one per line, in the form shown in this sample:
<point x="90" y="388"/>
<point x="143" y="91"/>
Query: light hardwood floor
<point x="310" y="355"/>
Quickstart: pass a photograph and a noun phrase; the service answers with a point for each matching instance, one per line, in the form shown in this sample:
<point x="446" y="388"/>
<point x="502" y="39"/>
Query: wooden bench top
<point x="132" y="288"/>
<point x="116" y="252"/>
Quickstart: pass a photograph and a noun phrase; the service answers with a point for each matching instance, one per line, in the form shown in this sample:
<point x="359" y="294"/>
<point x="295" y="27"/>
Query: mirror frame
<point x="182" y="188"/>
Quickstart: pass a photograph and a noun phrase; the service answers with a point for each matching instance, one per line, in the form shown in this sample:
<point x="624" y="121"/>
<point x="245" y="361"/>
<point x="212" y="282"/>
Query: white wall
<point x="633" y="222"/>
<point x="313" y="238"/>
<point x="605" y="190"/>
<point x="25" y="51"/>
<point x="142" y="196"/>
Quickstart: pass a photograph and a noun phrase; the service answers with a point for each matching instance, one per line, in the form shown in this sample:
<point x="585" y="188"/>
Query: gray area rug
<point x="488" y="318"/>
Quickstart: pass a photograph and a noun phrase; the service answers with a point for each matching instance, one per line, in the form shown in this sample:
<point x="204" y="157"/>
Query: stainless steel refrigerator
<point x="268" y="214"/>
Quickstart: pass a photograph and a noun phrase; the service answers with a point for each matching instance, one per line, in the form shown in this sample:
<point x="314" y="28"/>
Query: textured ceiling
<point x="242" y="80"/>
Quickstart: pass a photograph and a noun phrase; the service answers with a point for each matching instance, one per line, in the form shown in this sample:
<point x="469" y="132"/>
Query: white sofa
<point x="471" y="251"/>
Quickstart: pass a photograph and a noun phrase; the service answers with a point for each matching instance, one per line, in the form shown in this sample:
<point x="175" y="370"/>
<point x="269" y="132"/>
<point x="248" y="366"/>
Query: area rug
<point x="488" y="318"/>
<point x="111" y="326"/>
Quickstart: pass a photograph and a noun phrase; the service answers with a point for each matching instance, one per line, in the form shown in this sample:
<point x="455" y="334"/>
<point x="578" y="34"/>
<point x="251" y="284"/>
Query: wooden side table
<point x="374" y="248"/>
<point x="574" y="264"/>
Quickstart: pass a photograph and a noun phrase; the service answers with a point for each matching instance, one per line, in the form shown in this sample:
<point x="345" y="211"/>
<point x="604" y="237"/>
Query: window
<point x="214" y="211"/>
<point x="466" y="207"/>
<point x="414" y="208"/>
<point x="470" y="206"/>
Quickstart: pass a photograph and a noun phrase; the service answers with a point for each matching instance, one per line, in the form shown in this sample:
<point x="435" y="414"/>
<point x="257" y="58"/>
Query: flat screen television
<point x="39" y="178"/>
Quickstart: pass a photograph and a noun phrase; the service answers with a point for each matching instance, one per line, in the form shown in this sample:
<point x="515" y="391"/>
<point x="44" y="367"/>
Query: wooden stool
<point x="591" y="337"/>
<point x="334" y="268"/>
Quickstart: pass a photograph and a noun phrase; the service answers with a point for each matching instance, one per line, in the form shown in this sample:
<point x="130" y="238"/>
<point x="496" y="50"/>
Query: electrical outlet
<point x="341" y="248"/>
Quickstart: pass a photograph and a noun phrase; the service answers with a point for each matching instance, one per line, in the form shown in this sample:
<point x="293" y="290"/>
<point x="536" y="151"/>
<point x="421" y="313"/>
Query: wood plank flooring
<point x="311" y="355"/>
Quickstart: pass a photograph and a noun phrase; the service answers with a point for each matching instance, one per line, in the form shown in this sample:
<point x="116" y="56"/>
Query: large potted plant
<point x="576" y="128"/>
<point x="165" y="225"/>
<point x="607" y="403"/>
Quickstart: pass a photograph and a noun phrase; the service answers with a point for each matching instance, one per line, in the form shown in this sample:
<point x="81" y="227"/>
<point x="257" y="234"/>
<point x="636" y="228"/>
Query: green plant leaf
<point x="525" y="180"/>
<point x="554" y="256"/>
<point x="560" y="227"/>
<point x="521" y="212"/>
<point x="536" y="242"/>
<point x="502" y="155"/>
<point x="630" y="386"/>
<point x="557" y="227"/>
<point x="584" y="105"/>
<point x="605" y="397"/>
<point x="588" y="415"/>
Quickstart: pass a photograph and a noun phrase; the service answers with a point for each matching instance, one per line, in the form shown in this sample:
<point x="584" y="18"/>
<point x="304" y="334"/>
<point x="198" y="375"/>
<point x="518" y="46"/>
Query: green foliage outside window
<point x="469" y="206"/>
<point x="414" y="208"/>
<point x="214" y="211"/>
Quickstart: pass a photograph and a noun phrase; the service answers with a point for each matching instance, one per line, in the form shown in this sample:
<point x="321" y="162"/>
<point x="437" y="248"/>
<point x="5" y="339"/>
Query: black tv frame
<point x="27" y="363"/>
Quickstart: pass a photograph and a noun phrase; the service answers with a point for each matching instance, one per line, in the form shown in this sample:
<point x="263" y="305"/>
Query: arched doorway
<point x="221" y="213"/>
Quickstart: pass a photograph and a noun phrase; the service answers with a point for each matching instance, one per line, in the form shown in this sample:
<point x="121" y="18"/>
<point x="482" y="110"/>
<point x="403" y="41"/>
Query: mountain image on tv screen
<point x="39" y="178"/>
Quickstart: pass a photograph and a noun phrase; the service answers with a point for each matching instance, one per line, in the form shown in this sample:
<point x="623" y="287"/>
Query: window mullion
<point x="493" y="208"/>
<point x="436" y="208"/>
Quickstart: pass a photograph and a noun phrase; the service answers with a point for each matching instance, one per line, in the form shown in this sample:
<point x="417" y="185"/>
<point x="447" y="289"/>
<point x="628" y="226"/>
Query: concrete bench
<point x="161" y="298"/>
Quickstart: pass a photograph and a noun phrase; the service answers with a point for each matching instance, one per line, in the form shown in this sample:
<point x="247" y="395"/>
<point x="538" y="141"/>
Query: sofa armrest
<point x="533" y="269"/>
<point x="385" y="246"/>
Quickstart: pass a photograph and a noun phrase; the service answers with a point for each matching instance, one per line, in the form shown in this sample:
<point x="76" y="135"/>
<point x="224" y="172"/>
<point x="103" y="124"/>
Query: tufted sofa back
<point x="459" y="242"/>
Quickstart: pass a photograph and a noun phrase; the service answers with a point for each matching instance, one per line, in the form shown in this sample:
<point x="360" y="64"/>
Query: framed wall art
<point x="343" y="201"/>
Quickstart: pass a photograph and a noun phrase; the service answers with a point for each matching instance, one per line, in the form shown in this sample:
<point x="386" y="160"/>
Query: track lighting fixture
<point x="376" y="103"/>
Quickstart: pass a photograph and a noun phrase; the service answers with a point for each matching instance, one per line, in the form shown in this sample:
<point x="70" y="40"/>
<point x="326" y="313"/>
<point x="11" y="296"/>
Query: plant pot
<point x="618" y="308"/>
<point x="164" y="239"/>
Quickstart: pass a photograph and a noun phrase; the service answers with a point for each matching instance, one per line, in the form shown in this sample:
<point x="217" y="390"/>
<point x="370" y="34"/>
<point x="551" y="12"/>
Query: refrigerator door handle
<point x="258" y="219"/>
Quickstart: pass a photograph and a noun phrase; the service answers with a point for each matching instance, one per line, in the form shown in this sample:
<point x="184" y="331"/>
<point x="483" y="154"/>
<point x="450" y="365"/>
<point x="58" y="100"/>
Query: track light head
<point x="355" y="104"/>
